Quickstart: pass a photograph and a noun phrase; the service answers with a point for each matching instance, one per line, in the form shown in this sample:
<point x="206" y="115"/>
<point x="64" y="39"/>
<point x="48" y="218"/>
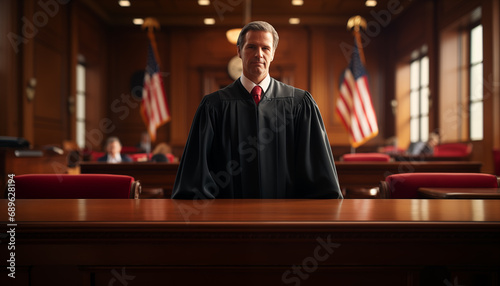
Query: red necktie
<point x="256" y="93"/>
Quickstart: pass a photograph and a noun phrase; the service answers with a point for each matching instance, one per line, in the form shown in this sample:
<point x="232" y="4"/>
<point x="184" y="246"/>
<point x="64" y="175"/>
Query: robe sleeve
<point x="315" y="166"/>
<point x="193" y="180"/>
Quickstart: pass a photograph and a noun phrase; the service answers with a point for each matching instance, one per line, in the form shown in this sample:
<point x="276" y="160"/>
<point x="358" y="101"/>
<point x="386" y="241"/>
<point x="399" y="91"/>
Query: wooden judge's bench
<point x="253" y="242"/>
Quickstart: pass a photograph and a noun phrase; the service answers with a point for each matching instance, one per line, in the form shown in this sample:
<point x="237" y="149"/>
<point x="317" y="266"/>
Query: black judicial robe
<point x="276" y="149"/>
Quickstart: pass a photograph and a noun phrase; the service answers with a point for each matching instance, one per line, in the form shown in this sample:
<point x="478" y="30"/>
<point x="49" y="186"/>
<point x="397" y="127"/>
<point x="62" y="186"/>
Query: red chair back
<point x="370" y="157"/>
<point x="96" y="155"/>
<point x="392" y="150"/>
<point x="496" y="161"/>
<point x="405" y="186"/>
<point x="453" y="150"/>
<point x="140" y="157"/>
<point x="83" y="186"/>
<point x="130" y="149"/>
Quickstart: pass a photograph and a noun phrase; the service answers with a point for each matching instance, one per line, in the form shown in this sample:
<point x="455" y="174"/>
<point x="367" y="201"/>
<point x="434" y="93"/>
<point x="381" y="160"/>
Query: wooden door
<point x="46" y="73"/>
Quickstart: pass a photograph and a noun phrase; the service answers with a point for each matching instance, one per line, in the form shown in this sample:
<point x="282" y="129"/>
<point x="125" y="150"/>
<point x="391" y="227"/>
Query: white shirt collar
<point x="249" y="85"/>
<point x="114" y="159"/>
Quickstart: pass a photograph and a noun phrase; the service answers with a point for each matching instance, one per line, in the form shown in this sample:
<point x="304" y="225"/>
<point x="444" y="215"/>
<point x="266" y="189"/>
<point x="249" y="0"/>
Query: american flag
<point x="154" y="107"/>
<point x="354" y="105"/>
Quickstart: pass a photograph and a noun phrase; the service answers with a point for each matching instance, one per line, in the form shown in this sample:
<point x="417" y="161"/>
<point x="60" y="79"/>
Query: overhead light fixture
<point x="297" y="2"/>
<point x="203" y="2"/>
<point x="209" y="21"/>
<point x="371" y="3"/>
<point x="232" y="35"/>
<point x="294" y="21"/>
<point x="124" y="3"/>
<point x="138" y="21"/>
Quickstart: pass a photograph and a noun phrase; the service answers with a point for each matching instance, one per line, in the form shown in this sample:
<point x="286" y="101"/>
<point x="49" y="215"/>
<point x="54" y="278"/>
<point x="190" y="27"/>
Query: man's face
<point x="114" y="148"/>
<point x="256" y="55"/>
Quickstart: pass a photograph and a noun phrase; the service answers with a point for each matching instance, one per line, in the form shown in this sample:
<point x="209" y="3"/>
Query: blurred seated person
<point x="163" y="153"/>
<point x="159" y="158"/>
<point x="424" y="148"/>
<point x="113" y="149"/>
<point x="144" y="145"/>
<point x="391" y="147"/>
<point x="74" y="153"/>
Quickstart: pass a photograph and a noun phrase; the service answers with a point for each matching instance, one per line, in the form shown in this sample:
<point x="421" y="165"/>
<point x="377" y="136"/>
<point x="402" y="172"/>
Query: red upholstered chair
<point x="366" y="157"/>
<point x="96" y="155"/>
<point x="130" y="149"/>
<point x="405" y="186"/>
<point x="496" y="161"/>
<point x="140" y="157"/>
<point x="83" y="186"/>
<point x="453" y="150"/>
<point x="368" y="191"/>
<point x="392" y="150"/>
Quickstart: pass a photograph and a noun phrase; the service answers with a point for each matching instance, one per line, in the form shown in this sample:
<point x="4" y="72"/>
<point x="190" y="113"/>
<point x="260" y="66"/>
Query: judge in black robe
<point x="275" y="149"/>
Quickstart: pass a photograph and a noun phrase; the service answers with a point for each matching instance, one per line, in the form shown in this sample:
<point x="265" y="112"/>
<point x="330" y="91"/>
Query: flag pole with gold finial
<point x="354" y="24"/>
<point x="157" y="108"/>
<point x="151" y="24"/>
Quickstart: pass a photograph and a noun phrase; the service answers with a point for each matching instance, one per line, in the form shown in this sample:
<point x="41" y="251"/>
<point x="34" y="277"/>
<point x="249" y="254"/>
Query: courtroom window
<point x="419" y="98"/>
<point x="476" y="83"/>
<point x="80" y="104"/>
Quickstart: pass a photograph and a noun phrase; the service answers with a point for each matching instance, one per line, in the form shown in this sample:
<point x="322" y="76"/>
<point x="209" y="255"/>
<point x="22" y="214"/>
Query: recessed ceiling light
<point x="124" y="3"/>
<point x="209" y="21"/>
<point x="138" y="21"/>
<point x="371" y="3"/>
<point x="203" y="2"/>
<point x="297" y="2"/>
<point x="294" y="21"/>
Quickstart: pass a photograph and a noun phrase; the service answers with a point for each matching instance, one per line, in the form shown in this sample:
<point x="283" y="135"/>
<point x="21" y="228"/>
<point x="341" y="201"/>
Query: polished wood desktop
<point x="459" y="193"/>
<point x="253" y="242"/>
<point x="351" y="174"/>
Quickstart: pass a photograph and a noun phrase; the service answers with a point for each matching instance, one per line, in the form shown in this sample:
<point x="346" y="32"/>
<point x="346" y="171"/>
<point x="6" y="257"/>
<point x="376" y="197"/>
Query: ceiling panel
<point x="231" y="12"/>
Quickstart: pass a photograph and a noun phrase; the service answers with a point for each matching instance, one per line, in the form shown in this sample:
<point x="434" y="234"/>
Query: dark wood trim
<point x="351" y="174"/>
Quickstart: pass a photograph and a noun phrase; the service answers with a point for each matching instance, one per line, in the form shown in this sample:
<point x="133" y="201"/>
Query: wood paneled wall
<point x="194" y="62"/>
<point x="491" y="84"/>
<point x="92" y="47"/>
<point x="35" y="46"/>
<point x="46" y="55"/>
<point x="9" y="77"/>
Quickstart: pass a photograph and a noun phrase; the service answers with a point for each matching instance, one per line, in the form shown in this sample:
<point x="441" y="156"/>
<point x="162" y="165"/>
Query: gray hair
<point x="258" y="26"/>
<point x="113" y="139"/>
